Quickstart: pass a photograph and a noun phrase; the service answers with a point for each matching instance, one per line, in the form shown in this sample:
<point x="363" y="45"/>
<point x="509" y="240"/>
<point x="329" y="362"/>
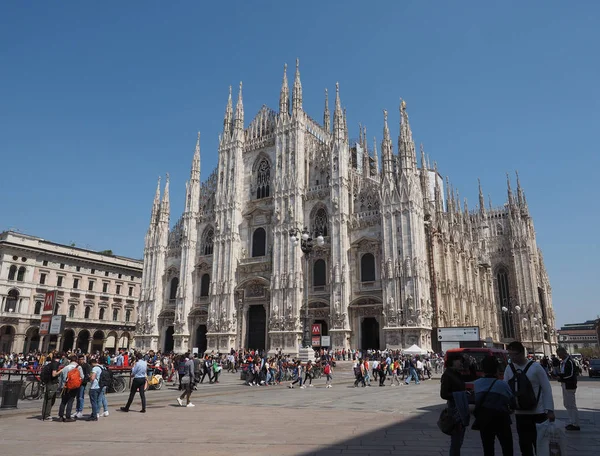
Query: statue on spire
<point x="228" y="120"/>
<point x="297" y="95"/>
<point x="326" y="118"/>
<point x="284" y="96"/>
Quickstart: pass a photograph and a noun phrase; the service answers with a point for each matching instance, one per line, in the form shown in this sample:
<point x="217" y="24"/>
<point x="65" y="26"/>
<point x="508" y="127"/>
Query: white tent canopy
<point x="415" y="350"/>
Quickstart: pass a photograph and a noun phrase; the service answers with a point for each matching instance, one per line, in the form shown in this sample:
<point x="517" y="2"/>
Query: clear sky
<point x="97" y="99"/>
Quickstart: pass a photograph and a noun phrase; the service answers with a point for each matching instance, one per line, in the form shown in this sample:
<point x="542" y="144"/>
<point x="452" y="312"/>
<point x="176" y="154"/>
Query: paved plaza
<point x="232" y="419"/>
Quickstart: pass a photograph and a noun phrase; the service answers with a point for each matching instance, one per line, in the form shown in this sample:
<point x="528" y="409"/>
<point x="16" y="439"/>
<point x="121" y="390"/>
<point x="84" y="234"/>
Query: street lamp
<point x="306" y="245"/>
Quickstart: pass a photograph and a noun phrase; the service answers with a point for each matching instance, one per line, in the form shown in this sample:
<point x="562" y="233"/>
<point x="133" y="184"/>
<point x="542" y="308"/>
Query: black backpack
<point x="46" y="374"/>
<point x="522" y="388"/>
<point x="106" y="378"/>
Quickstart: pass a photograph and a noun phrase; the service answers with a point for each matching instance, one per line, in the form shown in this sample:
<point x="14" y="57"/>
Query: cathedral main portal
<point x="370" y="334"/>
<point x="257" y="327"/>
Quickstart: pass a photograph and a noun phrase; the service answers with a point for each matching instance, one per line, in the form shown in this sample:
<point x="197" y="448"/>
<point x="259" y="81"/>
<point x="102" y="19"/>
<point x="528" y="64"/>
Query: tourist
<point x="138" y="372"/>
<point x="494" y="401"/>
<point x="543" y="408"/>
<point x="94" y="380"/>
<point x="453" y="390"/>
<point x="69" y="386"/>
<point x="187" y="381"/>
<point x="567" y="376"/>
<point x="51" y="383"/>
<point x="81" y="395"/>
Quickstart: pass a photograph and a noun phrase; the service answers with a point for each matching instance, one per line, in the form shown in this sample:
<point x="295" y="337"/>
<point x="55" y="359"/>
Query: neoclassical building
<point x="97" y="292"/>
<point x="401" y="254"/>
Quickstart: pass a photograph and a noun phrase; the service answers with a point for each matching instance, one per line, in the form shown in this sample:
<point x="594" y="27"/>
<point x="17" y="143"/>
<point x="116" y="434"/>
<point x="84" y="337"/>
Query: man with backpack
<point x="534" y="403"/>
<point x="567" y="376"/>
<point x="71" y="378"/>
<point x="49" y="377"/>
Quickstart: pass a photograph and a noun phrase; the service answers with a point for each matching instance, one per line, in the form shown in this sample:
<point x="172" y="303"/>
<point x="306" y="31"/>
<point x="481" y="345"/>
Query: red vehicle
<point x="472" y="368"/>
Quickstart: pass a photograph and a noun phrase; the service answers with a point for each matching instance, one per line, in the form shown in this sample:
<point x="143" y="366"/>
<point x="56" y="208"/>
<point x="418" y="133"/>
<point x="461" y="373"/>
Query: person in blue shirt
<point x="494" y="402"/>
<point x="138" y="372"/>
<point x="95" y="389"/>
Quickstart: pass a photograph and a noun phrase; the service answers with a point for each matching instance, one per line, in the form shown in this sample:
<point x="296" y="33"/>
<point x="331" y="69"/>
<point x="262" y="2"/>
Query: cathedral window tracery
<point x="208" y="242"/>
<point x="263" y="179"/>
<point x="320" y="222"/>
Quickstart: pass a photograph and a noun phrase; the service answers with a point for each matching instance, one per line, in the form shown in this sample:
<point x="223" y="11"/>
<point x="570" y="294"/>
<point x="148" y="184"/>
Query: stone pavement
<point x="231" y="419"/>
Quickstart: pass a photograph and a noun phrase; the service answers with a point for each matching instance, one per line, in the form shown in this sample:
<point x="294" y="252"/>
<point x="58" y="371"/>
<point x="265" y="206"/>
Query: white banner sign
<point x="325" y="341"/>
<point x="459" y="334"/>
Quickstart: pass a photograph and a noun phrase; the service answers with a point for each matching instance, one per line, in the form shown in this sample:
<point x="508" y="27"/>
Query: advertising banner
<point x="316" y="341"/>
<point x="49" y="301"/>
<point x="325" y="341"/>
<point x="45" y="324"/>
<point x="57" y="324"/>
<point x="316" y="329"/>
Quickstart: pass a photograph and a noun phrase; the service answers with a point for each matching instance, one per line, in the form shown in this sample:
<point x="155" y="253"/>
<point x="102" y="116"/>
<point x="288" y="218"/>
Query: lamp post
<point x="306" y="245"/>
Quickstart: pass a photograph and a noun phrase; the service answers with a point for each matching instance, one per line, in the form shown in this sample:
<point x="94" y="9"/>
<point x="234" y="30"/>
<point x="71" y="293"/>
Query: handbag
<point x="446" y="422"/>
<point x="477" y="412"/>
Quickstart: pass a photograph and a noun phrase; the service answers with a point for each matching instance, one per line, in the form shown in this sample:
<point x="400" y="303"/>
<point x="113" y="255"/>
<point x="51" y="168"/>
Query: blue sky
<point x="99" y="99"/>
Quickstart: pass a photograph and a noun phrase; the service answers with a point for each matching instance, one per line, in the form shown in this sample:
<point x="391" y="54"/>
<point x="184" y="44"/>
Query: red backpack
<point x="73" y="379"/>
<point x="327" y="369"/>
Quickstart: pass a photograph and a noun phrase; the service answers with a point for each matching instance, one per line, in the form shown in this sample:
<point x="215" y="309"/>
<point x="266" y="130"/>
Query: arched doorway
<point x="369" y="330"/>
<point x="124" y="341"/>
<point x="169" y="340"/>
<point x="32" y="340"/>
<point x="83" y="340"/>
<point x="201" y="341"/>
<point x="7" y="335"/>
<point x="257" y="327"/>
<point x="97" y="342"/>
<point x="68" y="340"/>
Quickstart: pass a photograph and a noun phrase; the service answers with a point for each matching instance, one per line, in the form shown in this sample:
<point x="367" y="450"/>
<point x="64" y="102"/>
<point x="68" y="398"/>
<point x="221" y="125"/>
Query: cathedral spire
<point x="519" y="190"/>
<point x="511" y="200"/>
<point x="375" y="157"/>
<point x="338" y="116"/>
<point x="366" y="157"/>
<point x="195" y="174"/>
<point x="386" y="147"/>
<point x="156" y="204"/>
<point x="424" y="176"/>
<point x="406" y="146"/>
<point x="326" y="117"/>
<point x="165" y="209"/>
<point x="297" y="98"/>
<point x="228" y="120"/>
<point x="481" y="200"/>
<point x="490" y="202"/>
<point x="345" y="126"/>
<point x="439" y="202"/>
<point x="238" y="122"/>
<point x="284" y="96"/>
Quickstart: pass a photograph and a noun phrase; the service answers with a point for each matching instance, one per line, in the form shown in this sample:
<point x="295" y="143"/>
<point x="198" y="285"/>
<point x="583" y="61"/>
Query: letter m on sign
<point x="49" y="301"/>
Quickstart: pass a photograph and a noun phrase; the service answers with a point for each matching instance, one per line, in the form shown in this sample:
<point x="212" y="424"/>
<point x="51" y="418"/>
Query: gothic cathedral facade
<point x="399" y="256"/>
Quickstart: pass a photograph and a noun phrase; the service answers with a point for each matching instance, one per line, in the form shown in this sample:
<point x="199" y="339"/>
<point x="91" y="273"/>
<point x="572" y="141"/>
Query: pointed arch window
<point x="508" y="328"/>
<point x="208" y="242"/>
<point x="320" y="223"/>
<point x="173" y="288"/>
<point x="499" y="229"/>
<point x="263" y="179"/>
<point x="12" y="272"/>
<point x="319" y="273"/>
<point x="259" y="242"/>
<point x="367" y="268"/>
<point x="204" y="285"/>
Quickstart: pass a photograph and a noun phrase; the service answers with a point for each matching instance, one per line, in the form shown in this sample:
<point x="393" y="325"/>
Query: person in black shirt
<point x="81" y="395"/>
<point x="452" y="382"/>
<point x="51" y="388"/>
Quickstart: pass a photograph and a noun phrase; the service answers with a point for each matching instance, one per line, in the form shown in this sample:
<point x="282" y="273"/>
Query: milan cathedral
<point x="399" y="253"/>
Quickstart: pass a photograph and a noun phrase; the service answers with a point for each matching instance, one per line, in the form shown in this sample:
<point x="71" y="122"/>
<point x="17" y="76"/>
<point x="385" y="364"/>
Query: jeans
<point x="80" y="398"/>
<point x="95" y="402"/>
<point x="528" y="432"/>
<point x="456" y="440"/>
<point x="412" y="373"/>
<point x="49" y="399"/>
<point x="137" y="384"/>
<point x="68" y="396"/>
<point x="102" y="400"/>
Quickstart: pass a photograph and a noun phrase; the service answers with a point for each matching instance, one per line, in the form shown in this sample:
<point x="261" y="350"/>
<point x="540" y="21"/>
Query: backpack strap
<point x="480" y="403"/>
<point x="529" y="364"/>
<point x="512" y="368"/>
